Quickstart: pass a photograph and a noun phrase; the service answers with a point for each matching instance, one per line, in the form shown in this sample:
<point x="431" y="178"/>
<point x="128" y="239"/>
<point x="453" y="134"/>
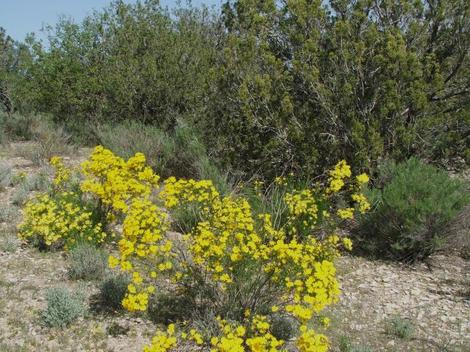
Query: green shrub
<point x="18" y="178"/>
<point x="63" y="307"/>
<point x="412" y="208"/>
<point x="283" y="327"/>
<point x="399" y="327"/>
<point x="345" y="345"/>
<point x="87" y="262"/>
<point x="51" y="140"/>
<point x="21" y="195"/>
<point x="39" y="182"/>
<point x="113" y="290"/>
<point x="165" y="308"/>
<point x="269" y="91"/>
<point x="9" y="214"/>
<point x="8" y="242"/>
<point x="5" y="176"/>
<point x="18" y="126"/>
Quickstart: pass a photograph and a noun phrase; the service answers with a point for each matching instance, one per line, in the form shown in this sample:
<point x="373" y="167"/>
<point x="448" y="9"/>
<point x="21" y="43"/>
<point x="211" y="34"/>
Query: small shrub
<point x="345" y="345"/>
<point x="5" y="176"/>
<point x="21" y="195"/>
<point x="58" y="220"/>
<point x="166" y="308"/>
<point x="9" y="214"/>
<point x="113" y="290"/>
<point x="19" y="127"/>
<point x="63" y="307"/>
<point x="9" y="242"/>
<point x="39" y="182"/>
<point x="51" y="140"/>
<point x="283" y="328"/>
<point x="413" y="207"/>
<point x="18" y="178"/>
<point x="400" y="327"/>
<point x="87" y="262"/>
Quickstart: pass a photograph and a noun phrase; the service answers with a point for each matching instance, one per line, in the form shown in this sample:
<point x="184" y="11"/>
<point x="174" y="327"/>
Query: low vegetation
<point x="414" y="204"/>
<point x="400" y="327"/>
<point x="87" y="262"/>
<point x="113" y="290"/>
<point x="63" y="307"/>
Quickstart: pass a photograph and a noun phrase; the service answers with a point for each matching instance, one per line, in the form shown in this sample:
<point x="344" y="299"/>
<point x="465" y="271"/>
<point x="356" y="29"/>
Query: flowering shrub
<point x="236" y="258"/>
<point x="235" y="261"/>
<point x="116" y="182"/>
<point x="60" y="218"/>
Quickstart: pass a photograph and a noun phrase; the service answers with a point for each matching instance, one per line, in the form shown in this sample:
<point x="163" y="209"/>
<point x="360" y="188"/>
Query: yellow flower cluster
<point x="337" y="181"/>
<point x="340" y="172"/>
<point x="229" y="238"/>
<point x="125" y="188"/>
<point x="177" y="192"/>
<point x="234" y="337"/>
<point x="311" y="341"/>
<point x="59" y="219"/>
<point x="163" y="340"/>
<point x="361" y="201"/>
<point x="62" y="173"/>
<point x="117" y="182"/>
<point x="303" y="210"/>
<point x="346" y="213"/>
<point x="143" y="236"/>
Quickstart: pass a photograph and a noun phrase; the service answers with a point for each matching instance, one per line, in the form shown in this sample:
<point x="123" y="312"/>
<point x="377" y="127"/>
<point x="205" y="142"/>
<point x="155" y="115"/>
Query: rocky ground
<point x="432" y="299"/>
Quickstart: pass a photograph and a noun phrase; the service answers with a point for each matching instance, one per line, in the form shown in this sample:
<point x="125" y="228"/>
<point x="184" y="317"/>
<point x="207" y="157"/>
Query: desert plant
<point x="20" y="195"/>
<point x="234" y="269"/>
<point x="50" y="140"/>
<point x="87" y="262"/>
<point x="9" y="214"/>
<point x="63" y="307"/>
<point x="8" y="242"/>
<point x="345" y="345"/>
<point x="61" y="219"/>
<point x="283" y="327"/>
<point x="400" y="327"/>
<point x="18" y="178"/>
<point x="19" y="127"/>
<point x="166" y="308"/>
<point x="39" y="182"/>
<point x="5" y="175"/>
<point x="113" y="290"/>
<point x="413" y="206"/>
